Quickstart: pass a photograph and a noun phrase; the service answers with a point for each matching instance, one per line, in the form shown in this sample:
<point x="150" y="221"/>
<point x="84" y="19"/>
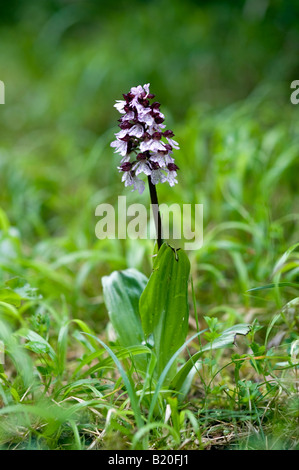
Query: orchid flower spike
<point x="145" y="147"/>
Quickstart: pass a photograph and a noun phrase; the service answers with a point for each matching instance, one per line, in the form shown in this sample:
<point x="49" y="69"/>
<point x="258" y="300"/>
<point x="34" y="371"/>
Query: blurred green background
<point x="222" y="71"/>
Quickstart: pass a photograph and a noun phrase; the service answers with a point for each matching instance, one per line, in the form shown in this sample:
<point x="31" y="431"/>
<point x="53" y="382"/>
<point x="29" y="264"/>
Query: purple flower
<point x="145" y="147"/>
<point x="129" y="177"/>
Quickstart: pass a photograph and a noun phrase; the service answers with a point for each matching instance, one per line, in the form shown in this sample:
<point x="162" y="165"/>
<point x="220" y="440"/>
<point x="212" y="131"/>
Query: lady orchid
<point x="145" y="147"/>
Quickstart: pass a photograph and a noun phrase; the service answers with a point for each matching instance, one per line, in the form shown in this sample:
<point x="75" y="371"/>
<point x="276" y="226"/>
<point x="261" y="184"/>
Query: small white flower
<point x="137" y="90"/>
<point x="131" y="180"/>
<point x="144" y="115"/>
<point x="173" y="143"/>
<point x="151" y="144"/>
<point x="157" y="176"/>
<point x="156" y="145"/>
<point x="120" y="147"/>
<point x="159" y="158"/>
<point x="146" y="88"/>
<point x="119" y="105"/>
<point x="162" y="158"/>
<point x="130" y="115"/>
<point x="121" y="134"/>
<point x="127" y="178"/>
<point x="125" y="159"/>
<point x="155" y="127"/>
<point x="171" y="178"/>
<point x="139" y="185"/>
<point x="168" y="158"/>
<point x="137" y="131"/>
<point x="144" y="145"/>
<point x="141" y="167"/>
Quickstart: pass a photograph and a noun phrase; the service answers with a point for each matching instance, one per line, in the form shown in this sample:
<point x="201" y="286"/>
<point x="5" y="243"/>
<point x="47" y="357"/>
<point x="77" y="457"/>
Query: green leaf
<point x="275" y="285"/>
<point x="127" y="382"/>
<point x="122" y="290"/>
<point x="226" y="339"/>
<point x="123" y="353"/>
<point x="164" y="304"/>
<point x="62" y="347"/>
<point x="36" y="342"/>
<point x="22" y="288"/>
<point x="8" y="296"/>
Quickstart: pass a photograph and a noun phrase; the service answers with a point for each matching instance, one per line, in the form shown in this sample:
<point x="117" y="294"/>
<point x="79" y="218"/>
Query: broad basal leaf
<point x="122" y="290"/>
<point x="164" y="303"/>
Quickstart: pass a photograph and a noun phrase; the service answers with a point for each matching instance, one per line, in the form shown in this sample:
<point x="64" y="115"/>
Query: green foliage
<point x="164" y="308"/>
<point x="67" y="382"/>
<point x="122" y="290"/>
<point x="222" y="340"/>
